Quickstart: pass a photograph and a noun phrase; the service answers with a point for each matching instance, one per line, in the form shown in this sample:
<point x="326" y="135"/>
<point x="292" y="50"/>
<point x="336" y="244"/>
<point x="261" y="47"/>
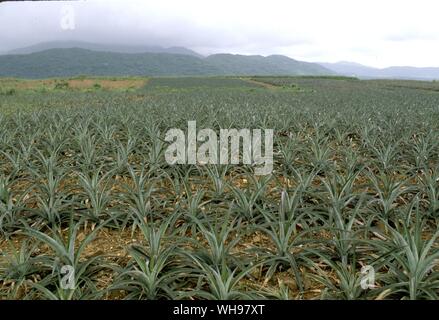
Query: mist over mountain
<point x="353" y="69"/>
<point x="119" y="48"/>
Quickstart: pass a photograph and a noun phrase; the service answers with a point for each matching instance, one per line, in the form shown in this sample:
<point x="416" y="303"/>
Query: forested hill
<point x="66" y="62"/>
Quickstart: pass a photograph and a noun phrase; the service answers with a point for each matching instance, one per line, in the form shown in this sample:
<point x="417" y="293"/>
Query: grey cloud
<point x="410" y="35"/>
<point x="311" y="31"/>
<point x="97" y="22"/>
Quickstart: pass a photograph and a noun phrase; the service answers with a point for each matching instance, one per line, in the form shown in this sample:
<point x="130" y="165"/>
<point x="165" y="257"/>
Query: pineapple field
<point x="90" y="209"/>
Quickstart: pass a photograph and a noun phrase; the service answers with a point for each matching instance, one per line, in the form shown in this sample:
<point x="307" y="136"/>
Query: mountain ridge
<point x="77" y="61"/>
<point x="214" y="64"/>
<point x="104" y="47"/>
<point x="347" y="68"/>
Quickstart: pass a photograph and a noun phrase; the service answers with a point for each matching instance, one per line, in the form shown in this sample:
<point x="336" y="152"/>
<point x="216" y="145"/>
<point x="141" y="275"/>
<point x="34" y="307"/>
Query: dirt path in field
<point x="260" y="83"/>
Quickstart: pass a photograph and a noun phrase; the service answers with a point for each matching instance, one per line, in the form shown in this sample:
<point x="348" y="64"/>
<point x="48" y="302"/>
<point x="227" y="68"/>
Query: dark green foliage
<point x="76" y="62"/>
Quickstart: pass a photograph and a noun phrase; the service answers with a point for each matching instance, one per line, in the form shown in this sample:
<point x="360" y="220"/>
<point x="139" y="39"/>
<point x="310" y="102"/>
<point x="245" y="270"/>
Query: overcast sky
<point x="373" y="32"/>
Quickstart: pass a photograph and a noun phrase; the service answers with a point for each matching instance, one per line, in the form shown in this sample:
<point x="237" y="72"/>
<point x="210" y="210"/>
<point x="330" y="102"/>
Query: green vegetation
<point x="194" y="83"/>
<point x="76" y="62"/>
<point x="7" y="92"/>
<point x="61" y="84"/>
<point x="84" y="183"/>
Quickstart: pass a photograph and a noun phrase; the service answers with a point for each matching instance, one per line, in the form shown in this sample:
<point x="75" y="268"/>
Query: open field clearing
<point x="350" y="210"/>
<point x="78" y="83"/>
